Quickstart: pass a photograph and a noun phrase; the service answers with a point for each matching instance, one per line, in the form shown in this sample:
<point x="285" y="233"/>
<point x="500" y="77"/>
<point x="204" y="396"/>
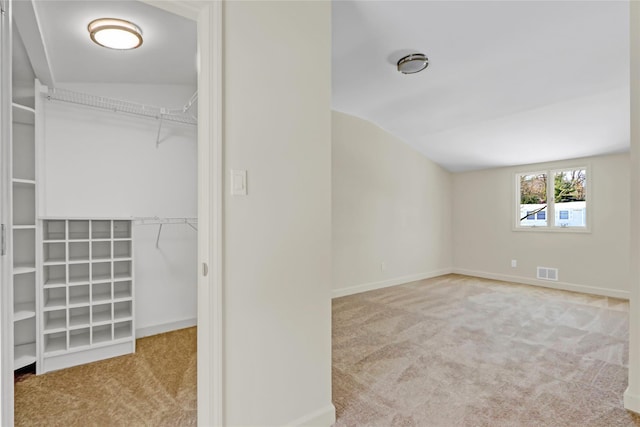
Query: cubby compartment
<point x="101" y="271"/>
<point x="23" y="165"/>
<point x="24" y="203"/>
<point x="54" y="252"/>
<point x="55" y="297"/>
<point x="121" y="229"/>
<point x="55" y="320"/>
<point x="122" y="290"/>
<point x="78" y="251"/>
<point x="24" y="295"/>
<point x="79" y="294"/>
<point x="79" y="316"/>
<point x="101" y="292"/>
<point x="79" y="337"/>
<point x="55" y="342"/>
<point x="122" y="249"/>
<point x="122" y="310"/>
<point x="100" y="250"/>
<point x="101" y="313"/>
<point x="78" y="230"/>
<point x="54" y="230"/>
<point x="100" y="229"/>
<point x="122" y="330"/>
<point x="122" y="269"/>
<point x="24" y="249"/>
<point x="101" y="333"/>
<point x="54" y="275"/>
<point x="78" y="273"/>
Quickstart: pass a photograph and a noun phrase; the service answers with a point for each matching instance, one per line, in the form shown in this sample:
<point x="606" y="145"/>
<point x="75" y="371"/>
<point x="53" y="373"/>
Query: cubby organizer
<point x="87" y="291"/>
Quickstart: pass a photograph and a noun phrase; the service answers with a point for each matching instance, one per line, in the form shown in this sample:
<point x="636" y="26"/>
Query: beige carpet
<point x="156" y="386"/>
<point x="461" y="351"/>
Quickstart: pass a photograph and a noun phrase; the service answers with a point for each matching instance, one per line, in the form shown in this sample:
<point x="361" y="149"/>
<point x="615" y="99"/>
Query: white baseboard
<point x="631" y="401"/>
<point x="565" y="286"/>
<point x="165" y="327"/>
<point x="324" y="417"/>
<point x="356" y="289"/>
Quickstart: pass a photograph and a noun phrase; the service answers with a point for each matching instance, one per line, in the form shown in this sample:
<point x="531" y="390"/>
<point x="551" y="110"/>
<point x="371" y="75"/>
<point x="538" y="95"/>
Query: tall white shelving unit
<point x="23" y="237"/>
<point x="87" y="291"/>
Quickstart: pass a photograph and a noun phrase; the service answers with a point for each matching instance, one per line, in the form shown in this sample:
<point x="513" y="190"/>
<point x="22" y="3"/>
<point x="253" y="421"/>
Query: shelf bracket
<point x="158" y="237"/>
<point x="159" y="129"/>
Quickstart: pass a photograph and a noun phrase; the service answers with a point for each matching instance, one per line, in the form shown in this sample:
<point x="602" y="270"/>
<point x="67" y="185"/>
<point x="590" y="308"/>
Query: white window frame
<point x="550" y="210"/>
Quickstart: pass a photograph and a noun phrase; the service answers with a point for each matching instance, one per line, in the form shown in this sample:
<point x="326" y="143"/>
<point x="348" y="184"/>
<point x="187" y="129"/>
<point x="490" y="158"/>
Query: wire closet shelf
<point x="177" y="115"/>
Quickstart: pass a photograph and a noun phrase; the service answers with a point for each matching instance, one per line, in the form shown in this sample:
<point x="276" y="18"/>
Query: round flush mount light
<point x="115" y="33"/>
<point x="413" y="63"/>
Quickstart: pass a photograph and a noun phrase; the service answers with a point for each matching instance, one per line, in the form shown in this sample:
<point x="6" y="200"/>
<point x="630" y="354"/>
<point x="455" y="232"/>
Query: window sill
<point x="581" y="230"/>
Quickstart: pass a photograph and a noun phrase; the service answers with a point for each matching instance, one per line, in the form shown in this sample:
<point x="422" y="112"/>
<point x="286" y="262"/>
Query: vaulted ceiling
<point x="508" y="82"/>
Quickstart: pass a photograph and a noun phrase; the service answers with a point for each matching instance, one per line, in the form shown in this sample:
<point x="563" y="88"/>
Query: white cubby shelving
<point x="23" y="236"/>
<point x="87" y="291"/>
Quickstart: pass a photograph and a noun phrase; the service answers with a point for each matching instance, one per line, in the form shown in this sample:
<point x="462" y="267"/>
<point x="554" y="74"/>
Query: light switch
<point x="238" y="183"/>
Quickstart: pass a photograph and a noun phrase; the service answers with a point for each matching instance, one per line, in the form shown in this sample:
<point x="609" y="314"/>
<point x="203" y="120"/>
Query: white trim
<point x="564" y="286"/>
<point x="356" y="289"/>
<point x="324" y="417"/>
<point x="631" y="401"/>
<point x="165" y="327"/>
<point x="6" y="276"/>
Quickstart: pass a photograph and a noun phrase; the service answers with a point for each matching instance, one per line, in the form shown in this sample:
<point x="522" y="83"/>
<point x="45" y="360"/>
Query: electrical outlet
<point x="514" y="263"/>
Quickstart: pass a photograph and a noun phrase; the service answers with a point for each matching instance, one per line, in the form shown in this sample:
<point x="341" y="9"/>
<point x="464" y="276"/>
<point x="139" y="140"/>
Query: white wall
<point x="390" y="205"/>
<point x="277" y="239"/>
<point x="484" y="242"/>
<point x="104" y="164"/>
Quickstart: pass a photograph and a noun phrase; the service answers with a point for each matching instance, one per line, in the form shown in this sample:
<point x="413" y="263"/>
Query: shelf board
<point x="54" y="262"/>
<point x="57" y="325"/>
<point x="23" y="269"/>
<point x="101" y="298"/>
<point x="122" y="258"/>
<point x="55" y="283"/>
<point x="101" y="279"/>
<point x="122" y="296"/>
<point x="54" y="303"/>
<point x="55" y="345"/>
<point x="23" y="181"/>
<point x="101" y="259"/>
<point x="23" y="311"/>
<point x="78" y="323"/>
<point x="23" y="107"/>
<point x="122" y="239"/>
<point x="122" y="276"/>
<point x="54" y="241"/>
<point x="79" y="261"/>
<point x="24" y="227"/>
<point x="24" y="355"/>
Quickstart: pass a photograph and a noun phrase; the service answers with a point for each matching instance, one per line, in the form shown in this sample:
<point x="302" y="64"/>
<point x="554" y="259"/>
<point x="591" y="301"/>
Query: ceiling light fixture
<point x="413" y="63"/>
<point x="115" y="33"/>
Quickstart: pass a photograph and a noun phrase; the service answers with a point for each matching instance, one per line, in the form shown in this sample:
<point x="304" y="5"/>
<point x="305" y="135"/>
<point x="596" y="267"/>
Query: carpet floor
<point x="462" y="351"/>
<point x="156" y="386"/>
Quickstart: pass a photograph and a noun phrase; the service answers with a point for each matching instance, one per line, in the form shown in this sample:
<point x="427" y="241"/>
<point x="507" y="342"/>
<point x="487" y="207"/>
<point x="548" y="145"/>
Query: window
<point x="552" y="199"/>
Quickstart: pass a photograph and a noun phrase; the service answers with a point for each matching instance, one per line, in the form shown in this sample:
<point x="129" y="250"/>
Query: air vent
<point x="546" y="273"/>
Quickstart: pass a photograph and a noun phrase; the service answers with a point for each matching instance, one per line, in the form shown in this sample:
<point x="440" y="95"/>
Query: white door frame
<point x="6" y="280"/>
<point x="208" y="15"/>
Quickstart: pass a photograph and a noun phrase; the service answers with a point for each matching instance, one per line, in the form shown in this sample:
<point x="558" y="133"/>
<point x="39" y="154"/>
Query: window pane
<point x="570" y="197"/>
<point x="533" y="200"/>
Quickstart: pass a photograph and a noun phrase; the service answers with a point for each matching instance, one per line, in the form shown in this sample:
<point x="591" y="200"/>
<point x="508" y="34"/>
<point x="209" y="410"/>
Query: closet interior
<point x="103" y="228"/>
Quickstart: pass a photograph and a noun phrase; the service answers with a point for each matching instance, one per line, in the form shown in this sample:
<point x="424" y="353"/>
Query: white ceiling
<point x="167" y="55"/>
<point x="508" y="82"/>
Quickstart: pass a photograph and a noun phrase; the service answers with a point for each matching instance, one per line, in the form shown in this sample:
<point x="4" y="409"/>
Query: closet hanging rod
<point x="177" y="115"/>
